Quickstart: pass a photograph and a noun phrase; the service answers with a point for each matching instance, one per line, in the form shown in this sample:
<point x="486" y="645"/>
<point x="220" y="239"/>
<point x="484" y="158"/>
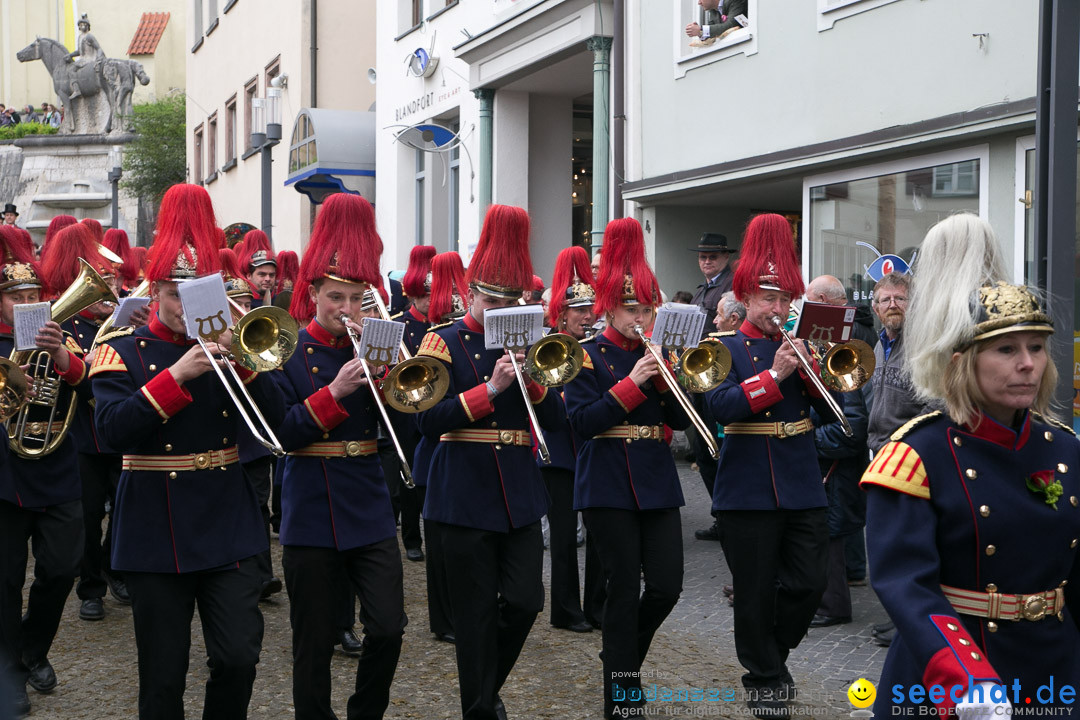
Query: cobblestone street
<point x="557" y="676"/>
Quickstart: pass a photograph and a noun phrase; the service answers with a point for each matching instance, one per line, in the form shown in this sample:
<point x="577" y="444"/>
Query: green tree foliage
<point x="156" y="159"/>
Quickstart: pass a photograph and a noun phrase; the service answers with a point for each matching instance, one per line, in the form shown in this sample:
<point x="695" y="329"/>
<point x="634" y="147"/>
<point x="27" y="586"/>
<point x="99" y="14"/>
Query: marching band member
<point x="570" y="311"/>
<point x="974" y="510"/>
<point x="288" y="267"/>
<point x="99" y="466"/>
<point x="484" y="489"/>
<point x="258" y="261"/>
<point x="768" y="490"/>
<point x="116" y="240"/>
<point x="336" y="516"/>
<point x="186" y="526"/>
<point x="626" y="484"/>
<point x="39" y="497"/>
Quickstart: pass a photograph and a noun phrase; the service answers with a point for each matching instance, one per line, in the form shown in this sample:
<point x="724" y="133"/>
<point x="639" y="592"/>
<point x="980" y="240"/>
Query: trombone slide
<point x="541" y="444"/>
<point x="269" y="441"/>
<point x="809" y="371"/>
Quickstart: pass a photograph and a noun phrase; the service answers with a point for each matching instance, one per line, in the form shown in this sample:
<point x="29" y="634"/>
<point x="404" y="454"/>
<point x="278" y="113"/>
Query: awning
<point x="332" y="151"/>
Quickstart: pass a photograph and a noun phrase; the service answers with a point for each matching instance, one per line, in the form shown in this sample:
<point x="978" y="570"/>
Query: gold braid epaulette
<point x="440" y="326"/>
<point x="113" y="334"/>
<point x="722" y="333"/>
<point x="912" y="424"/>
<point x="396" y="315"/>
<point x="1054" y="422"/>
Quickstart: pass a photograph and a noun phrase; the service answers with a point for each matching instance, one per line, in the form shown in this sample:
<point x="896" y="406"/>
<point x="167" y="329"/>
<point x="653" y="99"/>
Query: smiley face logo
<point x="862" y="692"/>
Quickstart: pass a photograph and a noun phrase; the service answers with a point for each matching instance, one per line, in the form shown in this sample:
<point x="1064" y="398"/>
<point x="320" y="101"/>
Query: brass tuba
<point x="39" y="438"/>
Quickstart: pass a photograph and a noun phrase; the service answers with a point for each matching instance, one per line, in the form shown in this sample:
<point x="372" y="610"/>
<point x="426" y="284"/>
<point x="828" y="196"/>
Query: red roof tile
<point x="147" y="36"/>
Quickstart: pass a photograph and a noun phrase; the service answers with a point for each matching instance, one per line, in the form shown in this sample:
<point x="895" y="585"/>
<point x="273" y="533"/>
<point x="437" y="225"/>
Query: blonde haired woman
<point x="973" y="510"/>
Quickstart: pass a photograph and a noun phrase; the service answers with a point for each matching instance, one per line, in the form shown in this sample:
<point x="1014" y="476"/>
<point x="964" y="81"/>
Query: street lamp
<point x="116" y="158"/>
<point x="265" y="134"/>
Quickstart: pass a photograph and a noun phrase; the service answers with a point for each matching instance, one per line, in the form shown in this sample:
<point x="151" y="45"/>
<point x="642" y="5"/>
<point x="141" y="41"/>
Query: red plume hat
<point x="138" y="255"/>
<point x="447" y="287"/>
<point x="288" y="265"/>
<point x="60" y="260"/>
<point x="417" y="280"/>
<point x="500" y="265"/>
<point x="344" y="246"/>
<point x="235" y="284"/>
<point x="767" y="259"/>
<point x="625" y="276"/>
<point x="257" y="251"/>
<point x="116" y="240"/>
<point x="571" y="285"/>
<point x="186" y="243"/>
<point x="19" y="270"/>
<point x="57" y="224"/>
<point x="17" y="245"/>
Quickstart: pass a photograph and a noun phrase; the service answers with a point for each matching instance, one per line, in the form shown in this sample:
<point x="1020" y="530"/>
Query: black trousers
<point x="260" y="474"/>
<point x="595" y="592"/>
<point x="496" y="592"/>
<point x="440" y="619"/>
<point x="631" y="544"/>
<point x="99" y="475"/>
<point x="836" y="600"/>
<point x="163" y="605"/>
<point x="56" y="536"/>
<point x="408" y="502"/>
<point x="391" y="474"/>
<point x="777" y="560"/>
<point x="562" y="545"/>
<point x="707" y="465"/>
<point x="311" y="577"/>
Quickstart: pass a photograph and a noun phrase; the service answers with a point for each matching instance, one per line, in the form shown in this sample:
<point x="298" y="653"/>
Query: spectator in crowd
<point x="53" y="117"/>
<point x="596" y="263"/>
<point x="720" y="18"/>
<point x="682" y="297"/>
<point x="29" y="115"/>
<point x="13" y="116"/>
<point x="11" y="214"/>
<point x="714" y="260"/>
<point x="842" y="460"/>
<point x="5" y="119"/>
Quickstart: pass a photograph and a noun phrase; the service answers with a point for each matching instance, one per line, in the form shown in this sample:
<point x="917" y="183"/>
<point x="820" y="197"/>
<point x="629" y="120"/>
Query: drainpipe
<point x="618" y="106"/>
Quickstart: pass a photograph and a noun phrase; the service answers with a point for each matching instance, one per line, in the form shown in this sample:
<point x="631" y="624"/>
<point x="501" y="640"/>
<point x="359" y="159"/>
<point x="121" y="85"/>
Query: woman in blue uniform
<point x="626" y="484"/>
<point x="974" y="511"/>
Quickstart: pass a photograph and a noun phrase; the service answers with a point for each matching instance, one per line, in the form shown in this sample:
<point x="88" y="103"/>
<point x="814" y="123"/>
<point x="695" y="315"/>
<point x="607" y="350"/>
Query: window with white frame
<point x="853" y="218"/>
<point x="829" y="11"/>
<point x="716" y="30"/>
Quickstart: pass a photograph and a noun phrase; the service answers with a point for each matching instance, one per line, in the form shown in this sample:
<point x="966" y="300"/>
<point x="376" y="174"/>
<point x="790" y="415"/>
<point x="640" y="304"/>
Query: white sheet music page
<point x="29" y="319"/>
<point x="380" y="341"/>
<point x="206" y="307"/>
<point x="678" y="326"/>
<point x="517" y="327"/>
<point x="121" y="316"/>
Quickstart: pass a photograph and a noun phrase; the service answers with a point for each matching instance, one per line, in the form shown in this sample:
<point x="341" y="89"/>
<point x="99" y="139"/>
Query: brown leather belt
<point x="776" y="429"/>
<point x="498" y="437"/>
<point x="633" y="432"/>
<point x="1005" y="606"/>
<point x="182" y="463"/>
<point x="338" y="449"/>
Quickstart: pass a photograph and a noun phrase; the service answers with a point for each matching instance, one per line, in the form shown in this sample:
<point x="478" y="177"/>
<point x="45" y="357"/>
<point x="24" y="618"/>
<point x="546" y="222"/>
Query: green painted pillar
<point x="601" y="154"/>
<point x="486" y="96"/>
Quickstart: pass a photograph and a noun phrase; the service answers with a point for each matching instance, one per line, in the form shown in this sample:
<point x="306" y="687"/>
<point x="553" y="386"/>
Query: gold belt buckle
<point x="645" y="432"/>
<point x="1034" y="607"/>
<point x="202" y="461"/>
<point x="506" y="437"/>
<point x="788" y="429"/>
<point x="352" y="448"/>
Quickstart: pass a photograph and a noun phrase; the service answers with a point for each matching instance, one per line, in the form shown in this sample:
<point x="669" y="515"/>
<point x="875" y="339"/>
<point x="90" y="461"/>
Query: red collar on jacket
<point x="990" y="429"/>
<point x="6" y="329"/>
<point x="417" y="314"/>
<point x="324" y="337"/>
<point x="163" y="331"/>
<point x="751" y="330"/>
<point x="617" y="338"/>
<point x="471" y="324"/>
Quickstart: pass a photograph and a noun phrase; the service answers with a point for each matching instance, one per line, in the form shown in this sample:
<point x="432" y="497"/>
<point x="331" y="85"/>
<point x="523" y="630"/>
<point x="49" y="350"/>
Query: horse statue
<point x="104" y="87"/>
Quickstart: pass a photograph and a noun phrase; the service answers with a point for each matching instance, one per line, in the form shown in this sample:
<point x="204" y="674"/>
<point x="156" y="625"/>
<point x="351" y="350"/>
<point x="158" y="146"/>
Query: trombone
<point x="701" y="368"/>
<point x="406" y="472"/>
<point x="541" y="444"/>
<point x="263" y="339"/>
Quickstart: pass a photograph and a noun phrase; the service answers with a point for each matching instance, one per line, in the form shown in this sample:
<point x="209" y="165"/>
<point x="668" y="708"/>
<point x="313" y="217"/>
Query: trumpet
<point x="701" y="369"/>
<point x="406" y="471"/>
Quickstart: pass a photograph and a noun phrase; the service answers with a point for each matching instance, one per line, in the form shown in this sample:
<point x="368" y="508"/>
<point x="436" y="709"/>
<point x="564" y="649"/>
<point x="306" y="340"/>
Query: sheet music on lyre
<point x="380" y="341"/>
<point x="516" y="327"/>
<point x="206" y="307"/>
<point x="678" y="326"/>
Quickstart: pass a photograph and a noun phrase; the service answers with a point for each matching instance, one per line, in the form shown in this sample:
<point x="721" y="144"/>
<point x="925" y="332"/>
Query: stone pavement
<point x="557" y="676"/>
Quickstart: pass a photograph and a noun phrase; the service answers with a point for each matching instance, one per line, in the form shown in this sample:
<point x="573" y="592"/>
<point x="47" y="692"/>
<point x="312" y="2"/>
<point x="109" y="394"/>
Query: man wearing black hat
<point x="714" y="258"/>
<point x="10" y="213"/>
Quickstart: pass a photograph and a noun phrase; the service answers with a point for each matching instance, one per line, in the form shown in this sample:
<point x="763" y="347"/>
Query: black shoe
<point x="728" y="591"/>
<point x="42" y="676"/>
<point x="20" y="702"/>
<point x="885" y="627"/>
<point x="787" y="692"/>
<point x="500" y="709"/>
<point x="829" y="620"/>
<point x="446" y="637"/>
<point x="762" y="708"/>
<point x="350" y="644"/>
<point x="713" y="533"/>
<point x="581" y="626"/>
<point x="414" y="554"/>
<point x="270" y="587"/>
<point x="884" y="639"/>
<point x="593" y="621"/>
<point x="92" y="609"/>
<point x="118" y="590"/>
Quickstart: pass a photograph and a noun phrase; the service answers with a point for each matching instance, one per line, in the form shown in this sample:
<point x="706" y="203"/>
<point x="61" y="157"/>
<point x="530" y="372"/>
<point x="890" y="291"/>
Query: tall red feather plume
<point x="57" y="224"/>
<point x="17" y="247"/>
<point x="138" y="255"/>
<point x="230" y="268"/>
<point x="60" y="260"/>
<point x="624" y="254"/>
<point x="344" y="243"/>
<point x="572" y="262"/>
<point x="185" y="221"/>
<point x="416" y="276"/>
<point x="447" y="279"/>
<point x="502" y="257"/>
<point x="288" y="266"/>
<point x="117" y="241"/>
<point x="768" y="251"/>
<point x="254" y="240"/>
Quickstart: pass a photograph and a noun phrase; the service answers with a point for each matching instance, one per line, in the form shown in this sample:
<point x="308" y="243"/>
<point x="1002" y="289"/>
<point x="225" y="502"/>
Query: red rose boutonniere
<point x="1046" y="484"/>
